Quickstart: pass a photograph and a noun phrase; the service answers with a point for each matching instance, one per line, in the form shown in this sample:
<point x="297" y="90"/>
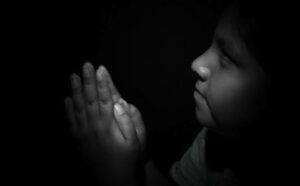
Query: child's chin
<point x="204" y="118"/>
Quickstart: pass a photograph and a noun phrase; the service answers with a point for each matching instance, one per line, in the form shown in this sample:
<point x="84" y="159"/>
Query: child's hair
<point x="257" y="25"/>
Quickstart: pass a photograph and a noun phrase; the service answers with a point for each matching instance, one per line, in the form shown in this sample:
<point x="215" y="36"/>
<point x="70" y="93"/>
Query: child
<point x="231" y="102"/>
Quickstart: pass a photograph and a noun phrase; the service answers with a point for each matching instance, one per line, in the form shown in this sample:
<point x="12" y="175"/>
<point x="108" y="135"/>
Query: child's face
<point x="230" y="90"/>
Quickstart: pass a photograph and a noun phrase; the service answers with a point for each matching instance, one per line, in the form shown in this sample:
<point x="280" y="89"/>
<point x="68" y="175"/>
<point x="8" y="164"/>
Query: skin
<point x="110" y="132"/>
<point x="229" y="96"/>
<point x="230" y="91"/>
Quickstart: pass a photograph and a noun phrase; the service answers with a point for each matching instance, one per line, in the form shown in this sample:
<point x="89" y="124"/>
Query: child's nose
<point x="199" y="66"/>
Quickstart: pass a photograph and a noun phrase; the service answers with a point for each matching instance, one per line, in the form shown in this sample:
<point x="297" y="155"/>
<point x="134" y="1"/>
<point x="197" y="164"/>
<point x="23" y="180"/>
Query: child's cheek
<point x="229" y="102"/>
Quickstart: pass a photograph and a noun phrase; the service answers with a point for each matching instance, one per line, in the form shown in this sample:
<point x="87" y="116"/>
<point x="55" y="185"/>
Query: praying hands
<point x="111" y="132"/>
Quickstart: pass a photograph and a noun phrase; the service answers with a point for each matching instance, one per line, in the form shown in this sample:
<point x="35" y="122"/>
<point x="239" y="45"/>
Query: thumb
<point x="137" y="119"/>
<point x="125" y="123"/>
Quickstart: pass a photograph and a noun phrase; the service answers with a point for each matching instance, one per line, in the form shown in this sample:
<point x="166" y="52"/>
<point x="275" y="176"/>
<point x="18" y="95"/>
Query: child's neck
<point x="219" y="140"/>
<point x="222" y="151"/>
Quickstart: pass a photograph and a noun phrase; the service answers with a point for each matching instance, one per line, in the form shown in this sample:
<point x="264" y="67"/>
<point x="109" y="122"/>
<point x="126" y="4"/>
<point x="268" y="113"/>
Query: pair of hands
<point x="111" y="132"/>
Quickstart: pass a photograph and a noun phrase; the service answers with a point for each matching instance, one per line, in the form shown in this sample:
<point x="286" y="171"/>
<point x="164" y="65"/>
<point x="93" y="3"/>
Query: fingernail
<point x="86" y="71"/>
<point x="123" y="102"/>
<point x="100" y="73"/>
<point x="119" y="109"/>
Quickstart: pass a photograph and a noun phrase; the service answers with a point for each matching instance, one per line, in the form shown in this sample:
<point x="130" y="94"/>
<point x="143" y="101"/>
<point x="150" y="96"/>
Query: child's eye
<point x="225" y="61"/>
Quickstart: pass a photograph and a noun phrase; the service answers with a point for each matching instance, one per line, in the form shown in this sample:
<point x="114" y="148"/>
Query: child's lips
<point x="198" y="89"/>
<point x="198" y="97"/>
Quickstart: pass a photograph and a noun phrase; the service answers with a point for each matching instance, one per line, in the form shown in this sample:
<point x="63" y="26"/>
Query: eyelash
<point x="225" y="61"/>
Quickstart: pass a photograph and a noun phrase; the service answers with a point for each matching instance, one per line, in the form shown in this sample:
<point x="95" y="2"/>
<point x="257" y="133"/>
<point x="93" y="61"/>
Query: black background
<point x="148" y="48"/>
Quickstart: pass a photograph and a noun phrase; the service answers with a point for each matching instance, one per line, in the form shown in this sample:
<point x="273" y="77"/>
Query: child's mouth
<point x="200" y="100"/>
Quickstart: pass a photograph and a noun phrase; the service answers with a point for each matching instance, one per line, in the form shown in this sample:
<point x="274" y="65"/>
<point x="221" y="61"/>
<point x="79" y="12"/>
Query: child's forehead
<point x="227" y="27"/>
<point x="227" y="32"/>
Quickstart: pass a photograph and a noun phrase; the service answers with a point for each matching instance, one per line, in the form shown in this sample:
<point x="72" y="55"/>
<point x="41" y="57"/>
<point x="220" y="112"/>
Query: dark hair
<point x="263" y="33"/>
<point x="257" y="25"/>
<point x="253" y="21"/>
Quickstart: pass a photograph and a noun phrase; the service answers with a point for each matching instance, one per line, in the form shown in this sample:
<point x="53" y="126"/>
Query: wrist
<point x="120" y="177"/>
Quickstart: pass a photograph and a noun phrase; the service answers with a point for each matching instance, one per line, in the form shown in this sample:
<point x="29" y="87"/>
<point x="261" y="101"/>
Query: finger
<point x="78" y="102"/>
<point x="70" y="113"/>
<point x="124" y="104"/>
<point x="104" y="94"/>
<point x="125" y="124"/>
<point x="137" y="119"/>
<point x="90" y="92"/>
<point x="114" y="92"/>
